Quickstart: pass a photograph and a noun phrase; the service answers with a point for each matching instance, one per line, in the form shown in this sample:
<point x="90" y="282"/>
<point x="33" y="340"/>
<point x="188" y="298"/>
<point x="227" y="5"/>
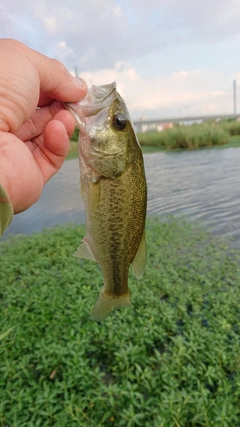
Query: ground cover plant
<point x="170" y="360"/>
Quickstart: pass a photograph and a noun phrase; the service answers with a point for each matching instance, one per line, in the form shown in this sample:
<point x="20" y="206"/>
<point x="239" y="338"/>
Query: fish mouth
<point x="97" y="99"/>
<point x="78" y="119"/>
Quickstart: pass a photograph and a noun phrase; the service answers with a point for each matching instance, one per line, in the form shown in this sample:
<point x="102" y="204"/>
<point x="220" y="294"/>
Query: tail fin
<point x="106" y="303"/>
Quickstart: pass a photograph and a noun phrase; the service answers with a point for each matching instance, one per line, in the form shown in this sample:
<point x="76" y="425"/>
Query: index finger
<point x="56" y="82"/>
<point x="45" y="99"/>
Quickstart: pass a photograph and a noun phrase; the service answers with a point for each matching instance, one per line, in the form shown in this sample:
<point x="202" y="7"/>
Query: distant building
<point x="167" y="126"/>
<point x="144" y="127"/>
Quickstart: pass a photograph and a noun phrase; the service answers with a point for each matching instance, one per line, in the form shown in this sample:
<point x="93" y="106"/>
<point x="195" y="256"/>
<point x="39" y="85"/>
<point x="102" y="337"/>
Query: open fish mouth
<point x="98" y="95"/>
<point x="97" y="99"/>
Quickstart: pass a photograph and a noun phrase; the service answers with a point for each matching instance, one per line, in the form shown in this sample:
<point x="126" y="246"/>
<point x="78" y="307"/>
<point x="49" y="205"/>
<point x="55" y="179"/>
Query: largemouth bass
<point x="115" y="194"/>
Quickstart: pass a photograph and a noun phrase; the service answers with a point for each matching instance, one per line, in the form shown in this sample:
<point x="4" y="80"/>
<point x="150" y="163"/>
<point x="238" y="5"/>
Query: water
<point x="200" y="185"/>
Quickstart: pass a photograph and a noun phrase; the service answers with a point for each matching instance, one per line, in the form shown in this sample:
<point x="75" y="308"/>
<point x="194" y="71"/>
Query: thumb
<point x="57" y="82"/>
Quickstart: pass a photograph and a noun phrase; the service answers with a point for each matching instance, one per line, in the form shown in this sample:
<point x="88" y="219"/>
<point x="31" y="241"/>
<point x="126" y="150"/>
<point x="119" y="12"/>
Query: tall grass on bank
<point x="231" y="126"/>
<point x="190" y="137"/>
<point x="170" y="360"/>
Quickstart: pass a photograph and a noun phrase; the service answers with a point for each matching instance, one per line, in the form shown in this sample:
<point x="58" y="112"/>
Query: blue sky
<point x="168" y="57"/>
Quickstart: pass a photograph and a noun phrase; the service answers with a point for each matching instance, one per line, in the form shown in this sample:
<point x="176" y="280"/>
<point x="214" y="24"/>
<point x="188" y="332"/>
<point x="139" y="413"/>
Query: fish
<point x="114" y="189"/>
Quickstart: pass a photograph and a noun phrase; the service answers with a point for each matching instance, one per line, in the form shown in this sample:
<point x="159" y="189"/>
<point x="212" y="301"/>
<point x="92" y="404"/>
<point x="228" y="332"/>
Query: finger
<point x="67" y="120"/>
<point x="44" y="100"/>
<point x="51" y="154"/>
<point x="36" y="124"/>
<point x="57" y="82"/>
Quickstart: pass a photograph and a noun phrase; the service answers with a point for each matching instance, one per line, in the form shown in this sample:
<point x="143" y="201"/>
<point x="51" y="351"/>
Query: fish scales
<point x="114" y="239"/>
<point x="115" y="194"/>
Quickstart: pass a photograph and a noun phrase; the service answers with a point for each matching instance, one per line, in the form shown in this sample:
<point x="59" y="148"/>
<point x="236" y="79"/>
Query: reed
<point x="231" y="126"/>
<point x="186" y="137"/>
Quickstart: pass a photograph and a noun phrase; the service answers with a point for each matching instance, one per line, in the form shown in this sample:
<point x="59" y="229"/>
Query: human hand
<point x="33" y="142"/>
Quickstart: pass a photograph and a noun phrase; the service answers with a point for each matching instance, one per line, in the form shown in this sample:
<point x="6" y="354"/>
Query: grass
<point x="170" y="360"/>
<point x="233" y="143"/>
<point x="150" y="149"/>
<point x="73" y="150"/>
<point x="186" y="137"/>
<point x="231" y="126"/>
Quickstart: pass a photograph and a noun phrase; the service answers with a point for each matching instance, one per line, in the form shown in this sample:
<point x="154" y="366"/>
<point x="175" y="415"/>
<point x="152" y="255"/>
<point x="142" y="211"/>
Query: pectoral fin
<point x="140" y="260"/>
<point x="84" y="251"/>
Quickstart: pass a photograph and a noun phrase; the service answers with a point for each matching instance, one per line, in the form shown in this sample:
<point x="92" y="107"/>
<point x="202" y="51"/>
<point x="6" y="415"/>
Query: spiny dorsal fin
<point x="84" y="251"/>
<point x="140" y="260"/>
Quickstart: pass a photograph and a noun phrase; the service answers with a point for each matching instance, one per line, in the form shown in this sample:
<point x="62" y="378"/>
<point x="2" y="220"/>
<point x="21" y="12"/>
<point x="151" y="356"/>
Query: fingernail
<point x="80" y="82"/>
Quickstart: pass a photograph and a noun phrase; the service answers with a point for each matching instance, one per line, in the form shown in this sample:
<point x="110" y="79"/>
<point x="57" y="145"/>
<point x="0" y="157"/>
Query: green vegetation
<point x="231" y="126"/>
<point x="73" y="150"/>
<point x="208" y="134"/>
<point x="170" y="360"/>
<point x="190" y="137"/>
<point x="150" y="149"/>
<point x="233" y="142"/>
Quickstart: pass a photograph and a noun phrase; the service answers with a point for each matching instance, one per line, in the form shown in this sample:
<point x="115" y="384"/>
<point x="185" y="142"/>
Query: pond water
<point x="200" y="185"/>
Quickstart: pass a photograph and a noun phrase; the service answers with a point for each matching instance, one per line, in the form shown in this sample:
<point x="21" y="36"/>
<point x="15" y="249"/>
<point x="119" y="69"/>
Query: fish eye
<point x="119" y="121"/>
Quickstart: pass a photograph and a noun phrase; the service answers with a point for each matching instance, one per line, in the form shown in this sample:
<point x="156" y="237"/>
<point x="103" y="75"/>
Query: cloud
<point x="166" y="55"/>
<point x="185" y="74"/>
<point x="175" y="94"/>
<point x="50" y="25"/>
<point x="101" y="32"/>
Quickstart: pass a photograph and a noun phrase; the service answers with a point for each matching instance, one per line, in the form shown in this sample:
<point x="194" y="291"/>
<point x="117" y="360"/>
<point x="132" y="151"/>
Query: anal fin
<point x="84" y="251"/>
<point x="140" y="260"/>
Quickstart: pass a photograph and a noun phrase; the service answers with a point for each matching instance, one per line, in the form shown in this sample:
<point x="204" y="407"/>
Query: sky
<point x="168" y="57"/>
